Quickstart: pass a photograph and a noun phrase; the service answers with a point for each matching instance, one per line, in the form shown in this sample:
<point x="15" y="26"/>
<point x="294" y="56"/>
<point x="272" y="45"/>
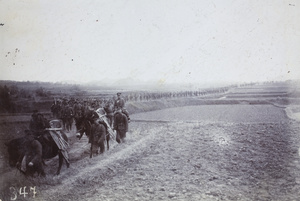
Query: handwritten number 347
<point x="22" y="192"/>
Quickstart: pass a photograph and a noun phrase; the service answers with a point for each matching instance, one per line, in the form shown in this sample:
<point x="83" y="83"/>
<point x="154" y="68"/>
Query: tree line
<point x="14" y="98"/>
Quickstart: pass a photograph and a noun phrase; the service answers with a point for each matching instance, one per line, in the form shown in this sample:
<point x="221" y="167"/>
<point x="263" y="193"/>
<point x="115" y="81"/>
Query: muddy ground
<point x="207" y="152"/>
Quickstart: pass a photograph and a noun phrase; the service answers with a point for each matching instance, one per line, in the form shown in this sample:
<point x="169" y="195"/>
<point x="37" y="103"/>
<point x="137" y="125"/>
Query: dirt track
<point x="228" y="152"/>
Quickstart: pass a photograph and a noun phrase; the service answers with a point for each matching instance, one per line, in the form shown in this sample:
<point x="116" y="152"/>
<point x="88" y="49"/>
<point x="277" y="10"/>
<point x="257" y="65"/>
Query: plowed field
<point x="208" y="152"/>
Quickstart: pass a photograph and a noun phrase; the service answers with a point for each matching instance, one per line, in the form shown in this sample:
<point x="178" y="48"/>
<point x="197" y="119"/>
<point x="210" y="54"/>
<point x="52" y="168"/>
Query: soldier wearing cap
<point x="77" y="108"/>
<point x="38" y="123"/>
<point x="120" y="105"/>
<point x="68" y="115"/>
<point x="109" y="110"/>
<point x="85" y="108"/>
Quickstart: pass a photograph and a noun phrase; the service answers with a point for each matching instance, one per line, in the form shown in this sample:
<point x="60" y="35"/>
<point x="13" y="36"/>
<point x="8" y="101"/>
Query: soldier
<point x="98" y="131"/>
<point x="89" y="112"/>
<point x="68" y="117"/>
<point x="109" y="111"/>
<point x="54" y="109"/>
<point x="120" y="125"/>
<point x="38" y="123"/>
<point x="59" y="108"/>
<point x="120" y="105"/>
<point x="85" y="108"/>
<point x="77" y="108"/>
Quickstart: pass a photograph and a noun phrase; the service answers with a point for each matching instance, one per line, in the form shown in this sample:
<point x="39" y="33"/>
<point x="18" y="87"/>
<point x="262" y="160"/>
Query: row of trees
<point x="10" y="95"/>
<point x="6" y="104"/>
<point x="148" y="96"/>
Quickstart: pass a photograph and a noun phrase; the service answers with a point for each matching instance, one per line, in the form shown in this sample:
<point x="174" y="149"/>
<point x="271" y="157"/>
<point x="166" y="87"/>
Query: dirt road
<point x="239" y="152"/>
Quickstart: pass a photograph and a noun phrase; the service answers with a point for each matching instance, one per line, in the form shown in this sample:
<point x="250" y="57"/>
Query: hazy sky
<point x="162" y="40"/>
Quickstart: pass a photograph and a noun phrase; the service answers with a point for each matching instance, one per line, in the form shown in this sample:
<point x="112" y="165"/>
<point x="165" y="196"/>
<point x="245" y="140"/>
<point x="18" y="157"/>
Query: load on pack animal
<point x="96" y="128"/>
<point x="41" y="142"/>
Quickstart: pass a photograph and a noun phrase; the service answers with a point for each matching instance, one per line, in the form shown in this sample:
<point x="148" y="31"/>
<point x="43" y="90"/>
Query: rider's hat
<point x="119" y="93"/>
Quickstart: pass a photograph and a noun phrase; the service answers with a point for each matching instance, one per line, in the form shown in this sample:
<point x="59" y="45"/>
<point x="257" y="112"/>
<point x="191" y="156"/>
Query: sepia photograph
<point x="141" y="100"/>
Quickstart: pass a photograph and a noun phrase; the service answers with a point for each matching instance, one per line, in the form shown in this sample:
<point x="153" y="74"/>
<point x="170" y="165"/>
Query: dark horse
<point x="26" y="154"/>
<point x="95" y="130"/>
<point x="35" y="148"/>
<point x="121" y="126"/>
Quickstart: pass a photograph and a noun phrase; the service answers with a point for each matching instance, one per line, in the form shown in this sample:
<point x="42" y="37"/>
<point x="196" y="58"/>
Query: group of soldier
<point x="43" y="134"/>
<point x="68" y="110"/>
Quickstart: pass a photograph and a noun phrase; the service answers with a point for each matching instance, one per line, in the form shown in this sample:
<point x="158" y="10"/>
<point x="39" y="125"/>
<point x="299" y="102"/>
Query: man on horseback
<point x="120" y="105"/>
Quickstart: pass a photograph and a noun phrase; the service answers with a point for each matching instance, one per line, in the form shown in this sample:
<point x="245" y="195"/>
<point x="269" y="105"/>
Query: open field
<point x="231" y="147"/>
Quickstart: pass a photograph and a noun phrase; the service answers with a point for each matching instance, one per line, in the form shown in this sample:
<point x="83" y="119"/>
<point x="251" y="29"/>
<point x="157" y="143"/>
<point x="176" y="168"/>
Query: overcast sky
<point x="164" y="41"/>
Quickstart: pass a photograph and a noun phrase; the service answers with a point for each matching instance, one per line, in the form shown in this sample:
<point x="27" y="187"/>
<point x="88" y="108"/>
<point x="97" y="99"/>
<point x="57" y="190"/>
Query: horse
<point x="25" y="152"/>
<point x="120" y="125"/>
<point x="50" y="148"/>
<point x="83" y="126"/>
<point x="35" y="148"/>
<point x="94" y="129"/>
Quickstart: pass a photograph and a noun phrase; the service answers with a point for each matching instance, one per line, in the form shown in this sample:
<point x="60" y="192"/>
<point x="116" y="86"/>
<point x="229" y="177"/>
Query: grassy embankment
<point x="146" y="106"/>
